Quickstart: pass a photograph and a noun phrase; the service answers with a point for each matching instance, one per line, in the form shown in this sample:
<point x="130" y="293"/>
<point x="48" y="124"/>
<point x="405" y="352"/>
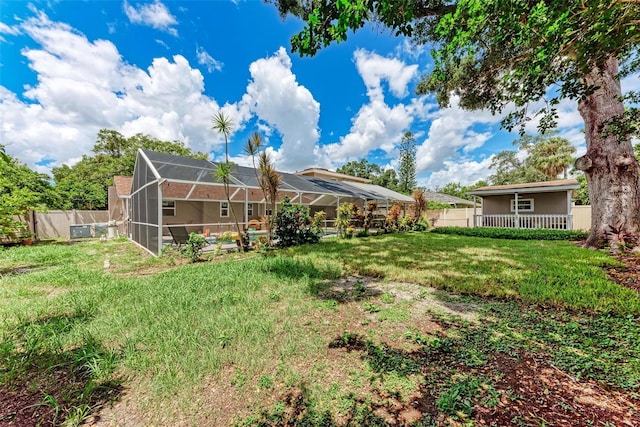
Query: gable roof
<point x="528" y="187"/>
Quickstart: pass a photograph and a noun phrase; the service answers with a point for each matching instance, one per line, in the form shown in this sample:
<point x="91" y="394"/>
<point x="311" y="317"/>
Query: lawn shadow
<point x="348" y="289"/>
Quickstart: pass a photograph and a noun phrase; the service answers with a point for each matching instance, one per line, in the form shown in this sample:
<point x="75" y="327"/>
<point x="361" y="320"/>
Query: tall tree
<point x="21" y="190"/>
<point x="458" y="190"/>
<point x="407" y="168"/>
<point x="545" y="158"/>
<point x="268" y="179"/>
<point x="85" y="184"/>
<point x="387" y="179"/>
<point x="551" y="155"/>
<point x="361" y="168"/>
<point x="222" y="124"/>
<point x="498" y="53"/>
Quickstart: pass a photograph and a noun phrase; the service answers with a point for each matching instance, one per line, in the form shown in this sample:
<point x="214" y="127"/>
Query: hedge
<point x="514" y="233"/>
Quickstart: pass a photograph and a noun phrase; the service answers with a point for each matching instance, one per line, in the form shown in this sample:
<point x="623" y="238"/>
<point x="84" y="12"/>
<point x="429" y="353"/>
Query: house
<point x="174" y="190"/>
<point x="530" y="205"/>
<point x="331" y="175"/>
<point x="118" y="198"/>
<point x="445" y="199"/>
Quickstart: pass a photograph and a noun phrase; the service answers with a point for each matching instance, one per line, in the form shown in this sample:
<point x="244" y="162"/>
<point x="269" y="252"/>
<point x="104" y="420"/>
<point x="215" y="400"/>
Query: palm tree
<point x="270" y="182"/>
<point x="420" y="203"/>
<point x="224" y="125"/>
<point x="552" y="156"/>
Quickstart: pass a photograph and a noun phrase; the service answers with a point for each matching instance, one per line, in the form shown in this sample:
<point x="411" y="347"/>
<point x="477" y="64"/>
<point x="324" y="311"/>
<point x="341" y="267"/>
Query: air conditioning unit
<point x="100" y="229"/>
<point x="79" y="231"/>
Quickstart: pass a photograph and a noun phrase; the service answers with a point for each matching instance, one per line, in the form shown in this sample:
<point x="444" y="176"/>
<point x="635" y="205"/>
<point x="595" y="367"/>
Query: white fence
<point x="580" y="219"/>
<point x="562" y="222"/>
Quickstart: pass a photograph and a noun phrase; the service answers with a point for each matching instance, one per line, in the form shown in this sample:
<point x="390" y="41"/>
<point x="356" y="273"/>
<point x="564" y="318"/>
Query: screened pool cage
<point x="169" y="190"/>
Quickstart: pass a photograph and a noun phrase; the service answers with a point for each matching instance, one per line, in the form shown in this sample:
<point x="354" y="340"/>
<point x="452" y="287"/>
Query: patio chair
<point x="179" y="234"/>
<point x="255" y="224"/>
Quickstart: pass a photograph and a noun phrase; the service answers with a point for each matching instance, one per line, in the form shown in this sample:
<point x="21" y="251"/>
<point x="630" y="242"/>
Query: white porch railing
<point x="555" y="221"/>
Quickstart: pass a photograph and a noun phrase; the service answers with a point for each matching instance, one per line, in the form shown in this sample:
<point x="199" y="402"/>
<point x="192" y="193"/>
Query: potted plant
<point x="26" y="238"/>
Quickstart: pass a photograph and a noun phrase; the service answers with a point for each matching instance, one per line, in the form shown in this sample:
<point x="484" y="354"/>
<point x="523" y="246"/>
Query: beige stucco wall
<point x="460" y="217"/>
<point x="581" y="217"/>
<point x="543" y="203"/>
<point x="55" y="224"/>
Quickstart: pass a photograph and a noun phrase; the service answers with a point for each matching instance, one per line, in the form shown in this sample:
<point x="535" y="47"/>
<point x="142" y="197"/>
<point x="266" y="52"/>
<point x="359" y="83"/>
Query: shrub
<point x="318" y="221"/>
<point x="394" y="215"/>
<point x="343" y="221"/>
<point x="422" y="225"/>
<point x="405" y="223"/>
<point x="193" y="248"/>
<point x="514" y="233"/>
<point x="294" y="226"/>
<point x="363" y="233"/>
<point x="368" y="215"/>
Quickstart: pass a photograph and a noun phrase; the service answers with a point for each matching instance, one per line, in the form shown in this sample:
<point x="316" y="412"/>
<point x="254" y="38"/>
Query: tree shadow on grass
<point x="44" y="383"/>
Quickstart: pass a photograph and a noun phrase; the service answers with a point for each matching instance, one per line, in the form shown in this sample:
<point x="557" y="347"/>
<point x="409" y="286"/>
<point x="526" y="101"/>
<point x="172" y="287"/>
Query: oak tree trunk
<point x="609" y="164"/>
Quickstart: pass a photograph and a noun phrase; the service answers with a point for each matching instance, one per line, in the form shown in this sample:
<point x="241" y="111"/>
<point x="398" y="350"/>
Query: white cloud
<point x="452" y="131"/>
<point x="375" y="126"/>
<point x="155" y="15"/>
<point x="6" y="29"/>
<point x="378" y="125"/>
<point x="466" y="172"/>
<point x="84" y="86"/>
<point x="410" y="49"/>
<point x="274" y="95"/>
<point x="375" y="69"/>
<point x="630" y="83"/>
<point x="207" y="60"/>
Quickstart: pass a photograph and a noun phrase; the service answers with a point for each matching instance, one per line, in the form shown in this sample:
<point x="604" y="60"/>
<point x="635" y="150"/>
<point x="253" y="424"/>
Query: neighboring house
<point x="119" y="195"/>
<point x="331" y="175"/>
<point x="531" y="205"/>
<point x="175" y="190"/>
<point x="445" y="199"/>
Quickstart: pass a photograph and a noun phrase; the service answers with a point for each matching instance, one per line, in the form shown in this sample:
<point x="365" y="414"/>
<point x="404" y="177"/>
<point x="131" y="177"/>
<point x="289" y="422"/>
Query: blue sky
<point x="165" y="68"/>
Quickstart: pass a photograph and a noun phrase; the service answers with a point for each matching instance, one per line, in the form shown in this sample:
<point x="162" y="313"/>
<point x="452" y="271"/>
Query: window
<point x="168" y="208"/>
<point x="269" y="212"/>
<point x="524" y="205"/>
<point x="249" y="209"/>
<point x="224" y="209"/>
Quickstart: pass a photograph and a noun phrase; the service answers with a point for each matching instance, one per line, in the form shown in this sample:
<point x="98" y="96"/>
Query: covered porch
<point x="529" y="205"/>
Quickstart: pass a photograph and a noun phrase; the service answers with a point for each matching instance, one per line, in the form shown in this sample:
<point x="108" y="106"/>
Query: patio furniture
<point x="255" y="224"/>
<point x="179" y="234"/>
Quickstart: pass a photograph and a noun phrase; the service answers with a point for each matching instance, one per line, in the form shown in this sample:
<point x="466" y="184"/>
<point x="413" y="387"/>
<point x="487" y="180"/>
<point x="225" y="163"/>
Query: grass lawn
<point x="409" y="329"/>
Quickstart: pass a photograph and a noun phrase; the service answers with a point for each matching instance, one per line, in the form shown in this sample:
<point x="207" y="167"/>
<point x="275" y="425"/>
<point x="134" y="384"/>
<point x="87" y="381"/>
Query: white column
<point x="516" y="211"/>
<point x="569" y="211"/>
<point x="475" y="210"/>
<point x="160" y="181"/>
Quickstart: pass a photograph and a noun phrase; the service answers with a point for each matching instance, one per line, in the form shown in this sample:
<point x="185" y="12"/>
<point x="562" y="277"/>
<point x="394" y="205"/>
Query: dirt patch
<point x="47" y="398"/>
<point x="533" y="392"/>
<point x="19" y="270"/>
<point x="627" y="275"/>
